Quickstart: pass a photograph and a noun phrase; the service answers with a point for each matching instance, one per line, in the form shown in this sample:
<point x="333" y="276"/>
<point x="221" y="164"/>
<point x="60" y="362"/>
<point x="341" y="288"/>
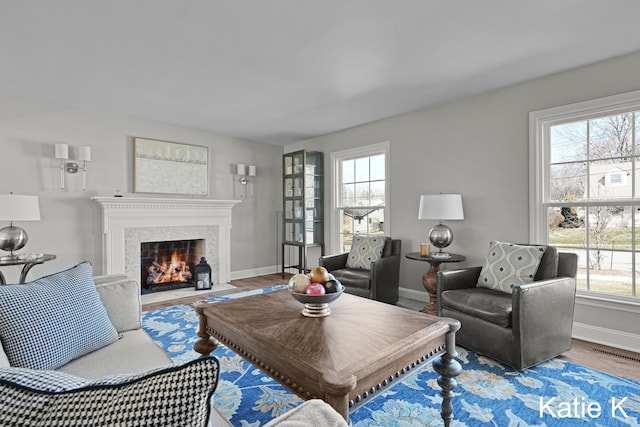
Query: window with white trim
<point x="360" y="193"/>
<point x="585" y="189"/>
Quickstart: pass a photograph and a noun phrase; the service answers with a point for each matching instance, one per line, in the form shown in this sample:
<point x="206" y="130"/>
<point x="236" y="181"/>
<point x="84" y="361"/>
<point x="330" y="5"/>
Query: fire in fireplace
<point x="169" y="265"/>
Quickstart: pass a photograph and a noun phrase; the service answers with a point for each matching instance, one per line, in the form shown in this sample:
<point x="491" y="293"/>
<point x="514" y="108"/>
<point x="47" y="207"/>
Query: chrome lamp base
<point x="440" y="236"/>
<point x="12" y="238"/>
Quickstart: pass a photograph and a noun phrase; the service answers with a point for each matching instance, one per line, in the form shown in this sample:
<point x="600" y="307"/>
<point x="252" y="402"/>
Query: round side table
<point x="430" y="278"/>
<point x="27" y="263"/>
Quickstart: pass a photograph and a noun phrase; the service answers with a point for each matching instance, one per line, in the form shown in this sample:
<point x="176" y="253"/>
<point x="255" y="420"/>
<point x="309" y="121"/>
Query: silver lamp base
<point x="440" y="236"/>
<point x="13" y="238"/>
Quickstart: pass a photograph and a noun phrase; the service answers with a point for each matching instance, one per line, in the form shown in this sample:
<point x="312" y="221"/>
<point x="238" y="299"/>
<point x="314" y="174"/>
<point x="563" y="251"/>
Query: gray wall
<point x="71" y="222"/>
<point x="478" y="147"/>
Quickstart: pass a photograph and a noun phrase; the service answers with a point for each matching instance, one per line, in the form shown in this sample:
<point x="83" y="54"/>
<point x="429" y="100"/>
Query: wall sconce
<point x="245" y="179"/>
<point x="84" y="155"/>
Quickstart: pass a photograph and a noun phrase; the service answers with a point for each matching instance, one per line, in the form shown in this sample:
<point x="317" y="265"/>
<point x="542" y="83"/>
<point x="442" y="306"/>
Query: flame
<point x="173" y="271"/>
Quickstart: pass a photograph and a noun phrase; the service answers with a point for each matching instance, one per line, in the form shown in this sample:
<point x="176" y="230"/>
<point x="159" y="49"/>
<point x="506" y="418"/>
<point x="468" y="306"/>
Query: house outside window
<point x="360" y="194"/>
<point x="585" y="190"/>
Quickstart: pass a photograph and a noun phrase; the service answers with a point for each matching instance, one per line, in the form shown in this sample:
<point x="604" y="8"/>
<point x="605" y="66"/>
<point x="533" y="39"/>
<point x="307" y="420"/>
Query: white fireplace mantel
<point x="122" y="215"/>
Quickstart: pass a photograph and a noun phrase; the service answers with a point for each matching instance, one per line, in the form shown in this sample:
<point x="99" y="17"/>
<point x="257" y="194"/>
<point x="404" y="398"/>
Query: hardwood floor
<point x="612" y="360"/>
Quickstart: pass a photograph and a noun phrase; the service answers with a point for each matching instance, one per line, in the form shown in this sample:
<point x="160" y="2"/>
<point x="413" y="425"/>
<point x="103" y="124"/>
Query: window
<point x="585" y="189"/>
<point x="615" y="179"/>
<point x="360" y="194"/>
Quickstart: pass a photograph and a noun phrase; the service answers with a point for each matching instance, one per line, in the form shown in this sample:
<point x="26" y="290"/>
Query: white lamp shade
<point x="62" y="151"/>
<point x="241" y="169"/>
<point x="14" y="207"/>
<point x="252" y="170"/>
<point x="84" y="153"/>
<point x="440" y="207"/>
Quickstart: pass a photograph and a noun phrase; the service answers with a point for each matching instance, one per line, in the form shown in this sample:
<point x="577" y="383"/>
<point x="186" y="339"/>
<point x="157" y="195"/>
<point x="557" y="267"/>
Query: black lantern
<point x="203" y="275"/>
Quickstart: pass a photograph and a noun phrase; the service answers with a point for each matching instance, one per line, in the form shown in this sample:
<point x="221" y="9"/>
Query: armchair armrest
<point x="384" y="279"/>
<point x="543" y="315"/>
<point x="333" y="262"/>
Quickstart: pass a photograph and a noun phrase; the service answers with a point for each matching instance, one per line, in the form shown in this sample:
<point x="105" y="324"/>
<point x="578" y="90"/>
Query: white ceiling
<point x="281" y="71"/>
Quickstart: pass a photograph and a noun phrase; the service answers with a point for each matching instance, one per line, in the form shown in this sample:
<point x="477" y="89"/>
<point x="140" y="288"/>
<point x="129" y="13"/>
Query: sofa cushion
<point x="508" y="264"/>
<point x="486" y="304"/>
<point x="173" y="396"/>
<point x="365" y="250"/>
<point x="134" y="352"/>
<point x="50" y="321"/>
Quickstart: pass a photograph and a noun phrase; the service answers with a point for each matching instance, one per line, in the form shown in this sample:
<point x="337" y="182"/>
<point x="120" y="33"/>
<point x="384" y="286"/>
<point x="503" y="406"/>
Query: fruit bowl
<point x="317" y="305"/>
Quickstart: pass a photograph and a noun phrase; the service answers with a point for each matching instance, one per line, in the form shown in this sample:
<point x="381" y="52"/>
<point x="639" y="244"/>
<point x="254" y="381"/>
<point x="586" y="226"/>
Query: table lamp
<point x="14" y="207"/>
<point x="440" y="207"/>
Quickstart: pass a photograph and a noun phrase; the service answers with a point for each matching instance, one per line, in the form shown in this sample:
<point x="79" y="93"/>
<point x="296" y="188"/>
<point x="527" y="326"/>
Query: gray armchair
<point x="380" y="282"/>
<point x="521" y="329"/>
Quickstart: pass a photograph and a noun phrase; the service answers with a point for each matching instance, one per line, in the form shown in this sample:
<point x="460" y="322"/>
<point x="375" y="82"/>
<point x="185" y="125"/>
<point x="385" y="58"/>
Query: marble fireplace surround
<point x="127" y="222"/>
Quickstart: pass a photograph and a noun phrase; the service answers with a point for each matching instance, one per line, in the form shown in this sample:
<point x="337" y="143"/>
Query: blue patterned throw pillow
<point x="365" y="250"/>
<point x="507" y="265"/>
<point x="48" y="322"/>
<point x="166" y="397"/>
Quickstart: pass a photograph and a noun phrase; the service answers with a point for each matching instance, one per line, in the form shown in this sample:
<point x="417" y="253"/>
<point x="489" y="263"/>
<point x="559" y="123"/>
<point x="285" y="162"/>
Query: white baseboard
<point x="252" y="272"/>
<point x="604" y="336"/>
<point x="414" y="294"/>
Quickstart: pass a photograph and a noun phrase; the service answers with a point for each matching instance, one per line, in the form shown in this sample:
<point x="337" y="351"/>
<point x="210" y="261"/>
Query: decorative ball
<point x="332" y="285"/>
<point x="315" y="289"/>
<point x="319" y="275"/>
<point x="298" y="283"/>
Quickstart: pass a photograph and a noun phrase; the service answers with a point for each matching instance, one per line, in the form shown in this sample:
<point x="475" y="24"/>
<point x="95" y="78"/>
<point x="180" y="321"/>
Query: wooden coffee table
<point x="346" y="358"/>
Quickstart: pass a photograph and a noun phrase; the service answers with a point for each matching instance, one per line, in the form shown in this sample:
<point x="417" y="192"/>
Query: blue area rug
<point x="555" y="393"/>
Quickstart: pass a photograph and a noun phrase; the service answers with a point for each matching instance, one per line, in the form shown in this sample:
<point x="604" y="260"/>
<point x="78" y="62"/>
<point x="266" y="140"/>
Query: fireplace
<point x="167" y="265"/>
<point x="127" y="222"/>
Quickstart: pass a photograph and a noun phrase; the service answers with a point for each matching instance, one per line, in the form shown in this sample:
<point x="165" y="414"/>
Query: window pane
<point x="609" y="180"/>
<point x="362" y="194"/>
<point x="605" y="260"/>
<point x="362" y="169"/>
<point x="348" y="171"/>
<point x="568" y="181"/>
<point x="610" y="137"/>
<point x="568" y="142"/>
<point x="377" y="167"/>
<point x="377" y="192"/>
<point x="636" y="138"/>
<point x="348" y="195"/>
<point x="361" y="221"/>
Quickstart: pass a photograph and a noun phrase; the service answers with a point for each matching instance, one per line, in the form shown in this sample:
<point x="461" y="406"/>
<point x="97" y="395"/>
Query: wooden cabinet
<point x="303" y="205"/>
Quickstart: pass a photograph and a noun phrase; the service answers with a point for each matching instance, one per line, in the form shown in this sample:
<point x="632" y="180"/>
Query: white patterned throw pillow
<point x="507" y="265"/>
<point x="167" y="397"/>
<point x="53" y="320"/>
<point x="365" y="250"/>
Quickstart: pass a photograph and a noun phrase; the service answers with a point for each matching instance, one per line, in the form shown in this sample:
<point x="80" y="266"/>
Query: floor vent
<point x="613" y="353"/>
